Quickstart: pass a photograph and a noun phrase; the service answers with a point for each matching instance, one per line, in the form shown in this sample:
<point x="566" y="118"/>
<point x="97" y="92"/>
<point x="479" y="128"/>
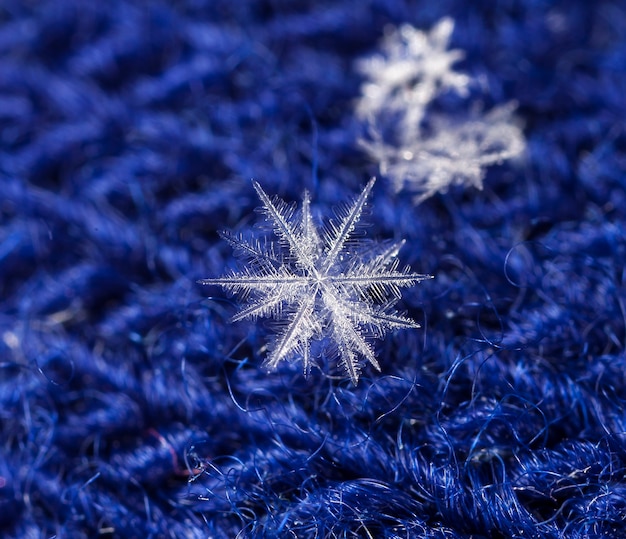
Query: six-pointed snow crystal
<point x="320" y="283"/>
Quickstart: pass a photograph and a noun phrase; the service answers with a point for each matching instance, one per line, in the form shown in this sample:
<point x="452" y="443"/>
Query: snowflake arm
<point x="280" y="215"/>
<point x="380" y="318"/>
<point x="252" y="250"/>
<point x="347" y="335"/>
<point x="245" y="282"/>
<point x="302" y="327"/>
<point x="320" y="289"/>
<point x="311" y="241"/>
<point x="340" y="234"/>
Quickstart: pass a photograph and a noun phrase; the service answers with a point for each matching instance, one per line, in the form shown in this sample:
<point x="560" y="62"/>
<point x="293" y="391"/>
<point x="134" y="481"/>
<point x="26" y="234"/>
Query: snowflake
<point x="412" y="70"/>
<point x="319" y="282"/>
<point x="454" y="153"/>
<point x="424" y="154"/>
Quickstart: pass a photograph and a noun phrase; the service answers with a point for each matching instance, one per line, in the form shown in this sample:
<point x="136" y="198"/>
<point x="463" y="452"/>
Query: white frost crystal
<point x="421" y="153"/>
<point x="411" y="70"/>
<point x="456" y="153"/>
<point x="320" y="282"/>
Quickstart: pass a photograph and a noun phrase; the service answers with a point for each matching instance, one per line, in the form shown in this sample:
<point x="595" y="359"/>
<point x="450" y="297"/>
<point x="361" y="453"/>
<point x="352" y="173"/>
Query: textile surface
<point x="132" y="406"/>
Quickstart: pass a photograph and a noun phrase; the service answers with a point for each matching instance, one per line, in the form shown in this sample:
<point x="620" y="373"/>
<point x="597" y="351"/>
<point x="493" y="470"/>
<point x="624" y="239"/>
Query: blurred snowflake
<point x="412" y="69"/>
<point x="426" y="155"/>
<point x="319" y="282"/>
<point x="457" y="152"/>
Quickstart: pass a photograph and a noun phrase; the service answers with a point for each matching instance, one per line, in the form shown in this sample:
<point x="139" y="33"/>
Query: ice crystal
<point x="457" y="152"/>
<point x="421" y="153"/>
<point x="320" y="283"/>
<point x="411" y="70"/>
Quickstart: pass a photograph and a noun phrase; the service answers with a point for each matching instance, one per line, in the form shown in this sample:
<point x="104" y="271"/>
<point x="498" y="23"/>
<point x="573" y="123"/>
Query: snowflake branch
<point x="283" y="228"/>
<point x="346" y="227"/>
<point x="299" y="330"/>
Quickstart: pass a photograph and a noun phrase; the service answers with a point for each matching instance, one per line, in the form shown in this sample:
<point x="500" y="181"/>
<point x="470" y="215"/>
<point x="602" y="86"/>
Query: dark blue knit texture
<point x="132" y="407"/>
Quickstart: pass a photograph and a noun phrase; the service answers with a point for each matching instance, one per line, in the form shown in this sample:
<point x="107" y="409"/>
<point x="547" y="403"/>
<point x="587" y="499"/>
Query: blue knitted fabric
<point x="131" y="406"/>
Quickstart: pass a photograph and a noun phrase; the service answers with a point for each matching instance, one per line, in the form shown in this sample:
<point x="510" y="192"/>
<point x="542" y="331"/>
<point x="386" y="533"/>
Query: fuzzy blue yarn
<point x="130" y="406"/>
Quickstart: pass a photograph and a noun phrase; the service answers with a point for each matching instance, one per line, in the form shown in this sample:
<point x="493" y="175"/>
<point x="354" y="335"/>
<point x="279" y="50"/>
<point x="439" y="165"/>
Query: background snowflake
<point x="455" y="153"/>
<point x="412" y="68"/>
<point x="416" y="151"/>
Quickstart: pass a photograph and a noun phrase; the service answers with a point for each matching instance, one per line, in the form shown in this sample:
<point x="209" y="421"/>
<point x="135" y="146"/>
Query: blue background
<point x="131" y="407"/>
